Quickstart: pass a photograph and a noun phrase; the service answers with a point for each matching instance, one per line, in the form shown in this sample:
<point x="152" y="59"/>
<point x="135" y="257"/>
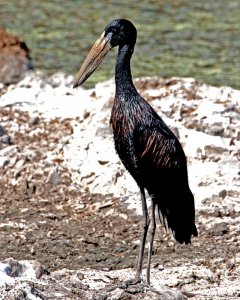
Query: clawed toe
<point x="133" y="281"/>
<point x="136" y="284"/>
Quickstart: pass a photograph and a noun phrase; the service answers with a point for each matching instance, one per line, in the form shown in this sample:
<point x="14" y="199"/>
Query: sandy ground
<point x="46" y="217"/>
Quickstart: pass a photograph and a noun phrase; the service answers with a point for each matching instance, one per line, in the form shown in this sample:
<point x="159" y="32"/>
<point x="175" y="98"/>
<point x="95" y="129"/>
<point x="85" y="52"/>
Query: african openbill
<point x="147" y="147"/>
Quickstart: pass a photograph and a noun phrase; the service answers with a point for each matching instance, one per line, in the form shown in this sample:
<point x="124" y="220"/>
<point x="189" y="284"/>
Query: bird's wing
<point x="159" y="148"/>
<point x="164" y="174"/>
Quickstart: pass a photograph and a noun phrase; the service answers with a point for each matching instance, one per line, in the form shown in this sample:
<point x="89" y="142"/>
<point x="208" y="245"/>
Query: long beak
<point x="93" y="59"/>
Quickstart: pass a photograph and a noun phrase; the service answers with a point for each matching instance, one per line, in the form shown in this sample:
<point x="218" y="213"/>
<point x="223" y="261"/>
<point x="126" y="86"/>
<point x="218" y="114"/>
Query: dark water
<point x="175" y="38"/>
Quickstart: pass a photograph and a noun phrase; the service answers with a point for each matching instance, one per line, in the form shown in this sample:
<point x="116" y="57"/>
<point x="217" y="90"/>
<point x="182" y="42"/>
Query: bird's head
<point x="119" y="32"/>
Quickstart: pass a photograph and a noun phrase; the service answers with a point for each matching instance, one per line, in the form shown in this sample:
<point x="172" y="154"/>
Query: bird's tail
<point x="179" y="215"/>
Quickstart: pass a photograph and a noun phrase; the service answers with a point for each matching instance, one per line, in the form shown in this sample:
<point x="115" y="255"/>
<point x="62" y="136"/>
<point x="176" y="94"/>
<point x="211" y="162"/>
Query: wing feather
<point x="160" y="151"/>
<point x="164" y="174"/>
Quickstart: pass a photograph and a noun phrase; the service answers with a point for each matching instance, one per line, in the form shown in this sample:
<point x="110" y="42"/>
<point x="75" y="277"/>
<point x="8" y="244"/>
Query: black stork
<point x="147" y="147"/>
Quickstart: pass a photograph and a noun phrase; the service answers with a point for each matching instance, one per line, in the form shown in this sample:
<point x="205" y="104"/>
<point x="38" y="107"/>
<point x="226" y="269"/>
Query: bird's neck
<point x="123" y="76"/>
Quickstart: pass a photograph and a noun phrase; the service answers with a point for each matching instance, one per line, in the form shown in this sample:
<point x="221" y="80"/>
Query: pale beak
<point x="93" y="59"/>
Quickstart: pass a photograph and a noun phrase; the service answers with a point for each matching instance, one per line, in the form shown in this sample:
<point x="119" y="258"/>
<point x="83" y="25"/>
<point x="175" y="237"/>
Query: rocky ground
<point x="70" y="214"/>
<point x="14" y="58"/>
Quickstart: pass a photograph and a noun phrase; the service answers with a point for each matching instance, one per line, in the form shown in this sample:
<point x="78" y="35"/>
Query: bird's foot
<point x="134" y="283"/>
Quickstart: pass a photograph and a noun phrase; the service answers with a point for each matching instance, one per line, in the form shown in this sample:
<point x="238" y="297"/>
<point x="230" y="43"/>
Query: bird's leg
<point x="145" y="226"/>
<point x="150" y="246"/>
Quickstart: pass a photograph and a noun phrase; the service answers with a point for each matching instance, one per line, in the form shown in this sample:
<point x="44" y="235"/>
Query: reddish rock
<point x="14" y="58"/>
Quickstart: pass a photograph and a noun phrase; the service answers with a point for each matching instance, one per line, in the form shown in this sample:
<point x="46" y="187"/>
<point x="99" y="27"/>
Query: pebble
<point x="54" y="176"/>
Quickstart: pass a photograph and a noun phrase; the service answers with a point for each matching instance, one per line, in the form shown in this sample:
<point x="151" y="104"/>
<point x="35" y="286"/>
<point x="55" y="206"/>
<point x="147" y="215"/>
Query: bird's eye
<point x="114" y="30"/>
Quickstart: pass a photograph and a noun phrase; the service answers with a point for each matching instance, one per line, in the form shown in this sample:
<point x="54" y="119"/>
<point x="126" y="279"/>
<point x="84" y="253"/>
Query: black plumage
<point x="147" y="147"/>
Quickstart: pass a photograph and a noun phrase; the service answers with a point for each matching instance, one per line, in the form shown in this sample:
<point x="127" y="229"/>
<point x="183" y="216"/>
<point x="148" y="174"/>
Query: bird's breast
<point x="124" y="121"/>
<point x="120" y="120"/>
<point x="122" y="126"/>
<point x="125" y="117"/>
